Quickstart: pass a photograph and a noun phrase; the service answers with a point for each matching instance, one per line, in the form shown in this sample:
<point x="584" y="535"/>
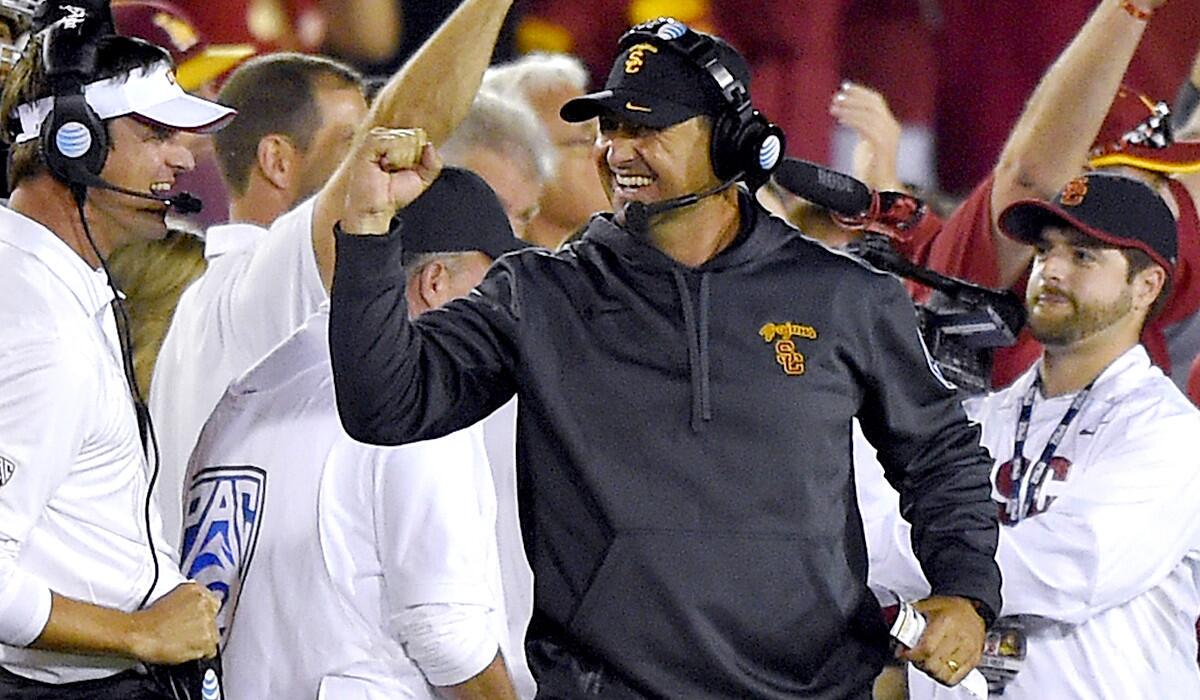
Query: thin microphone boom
<point x="637" y="214"/>
<point x="181" y="202"/>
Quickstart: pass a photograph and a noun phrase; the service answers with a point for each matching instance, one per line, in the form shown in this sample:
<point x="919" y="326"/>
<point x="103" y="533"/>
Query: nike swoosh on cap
<point x="637" y="108"/>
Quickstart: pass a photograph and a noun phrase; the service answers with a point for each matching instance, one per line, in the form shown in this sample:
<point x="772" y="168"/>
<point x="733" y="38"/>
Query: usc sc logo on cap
<point x="1074" y="192"/>
<point x="637" y="57"/>
<point x="786" y="354"/>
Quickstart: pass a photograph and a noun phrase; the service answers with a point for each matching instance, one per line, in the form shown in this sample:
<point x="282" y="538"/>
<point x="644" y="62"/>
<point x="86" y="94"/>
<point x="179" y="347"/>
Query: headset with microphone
<point x="74" y="144"/>
<point x="73" y="139"/>
<point x="745" y="145"/>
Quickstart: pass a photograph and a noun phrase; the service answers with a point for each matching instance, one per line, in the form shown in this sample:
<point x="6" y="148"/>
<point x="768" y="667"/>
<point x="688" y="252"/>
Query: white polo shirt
<point x="320" y="543"/>
<point x="73" y="478"/>
<point x="260" y="285"/>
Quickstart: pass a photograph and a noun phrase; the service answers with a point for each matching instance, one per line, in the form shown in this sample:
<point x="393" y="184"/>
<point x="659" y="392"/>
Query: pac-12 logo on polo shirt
<point x="8" y="467"/>
<point x="220" y="530"/>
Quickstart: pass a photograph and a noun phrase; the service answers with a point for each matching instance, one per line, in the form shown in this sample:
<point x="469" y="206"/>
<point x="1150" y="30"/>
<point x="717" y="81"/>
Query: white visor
<point x="151" y="93"/>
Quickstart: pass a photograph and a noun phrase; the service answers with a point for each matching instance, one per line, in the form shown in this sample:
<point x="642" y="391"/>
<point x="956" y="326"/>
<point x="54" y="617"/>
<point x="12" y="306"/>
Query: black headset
<point x="73" y="140"/>
<point x="744" y="143"/>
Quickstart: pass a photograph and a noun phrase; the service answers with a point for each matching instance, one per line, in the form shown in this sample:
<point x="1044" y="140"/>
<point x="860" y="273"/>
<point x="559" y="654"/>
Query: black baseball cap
<point x="1119" y="211"/>
<point x="655" y="84"/>
<point x="458" y="213"/>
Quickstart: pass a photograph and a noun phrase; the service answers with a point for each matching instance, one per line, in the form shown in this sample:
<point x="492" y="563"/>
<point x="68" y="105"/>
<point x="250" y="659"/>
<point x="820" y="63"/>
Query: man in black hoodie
<point x="688" y="373"/>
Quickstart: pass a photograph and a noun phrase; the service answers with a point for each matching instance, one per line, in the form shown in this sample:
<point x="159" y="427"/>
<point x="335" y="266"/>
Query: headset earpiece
<point x="74" y="141"/>
<point x="746" y="144"/>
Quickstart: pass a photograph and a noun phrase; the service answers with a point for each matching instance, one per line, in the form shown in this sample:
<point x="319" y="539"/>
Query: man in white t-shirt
<point x="346" y="570"/>
<point x="1100" y="540"/>
<point x="300" y="116"/>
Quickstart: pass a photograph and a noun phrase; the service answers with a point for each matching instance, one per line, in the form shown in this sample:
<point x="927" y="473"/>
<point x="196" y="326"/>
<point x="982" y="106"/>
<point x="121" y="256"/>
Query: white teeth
<point x="160" y="187"/>
<point x="633" y="180"/>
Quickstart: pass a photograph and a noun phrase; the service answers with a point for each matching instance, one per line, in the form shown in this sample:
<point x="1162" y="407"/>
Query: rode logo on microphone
<point x="787" y="356"/>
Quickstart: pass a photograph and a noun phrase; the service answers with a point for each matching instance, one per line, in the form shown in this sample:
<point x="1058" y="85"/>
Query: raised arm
<point x="434" y="90"/>
<point x="1050" y="142"/>
<point x="399" y="381"/>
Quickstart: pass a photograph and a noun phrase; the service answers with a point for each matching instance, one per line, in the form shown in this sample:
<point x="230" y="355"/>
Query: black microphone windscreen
<point x="835" y="191"/>
<point x="637" y="219"/>
<point x="185" y="203"/>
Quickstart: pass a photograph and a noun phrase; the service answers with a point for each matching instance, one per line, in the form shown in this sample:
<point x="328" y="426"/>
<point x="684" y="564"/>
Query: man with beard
<point x="1100" y="535"/>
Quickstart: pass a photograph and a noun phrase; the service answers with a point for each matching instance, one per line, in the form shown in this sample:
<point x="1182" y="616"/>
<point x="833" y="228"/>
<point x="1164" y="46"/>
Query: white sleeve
<point x="1119" y="528"/>
<point x="42" y="426"/>
<point x="449" y="643"/>
<point x="893" y="571"/>
<point x="431" y="535"/>
<point x="273" y="287"/>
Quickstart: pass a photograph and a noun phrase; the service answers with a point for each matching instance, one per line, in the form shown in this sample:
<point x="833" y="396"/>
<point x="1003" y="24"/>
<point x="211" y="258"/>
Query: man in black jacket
<point x="687" y="374"/>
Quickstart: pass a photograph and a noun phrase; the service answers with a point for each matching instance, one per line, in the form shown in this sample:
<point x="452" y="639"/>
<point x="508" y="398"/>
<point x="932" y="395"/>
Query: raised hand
<point x="388" y="170"/>
<point x="866" y="112"/>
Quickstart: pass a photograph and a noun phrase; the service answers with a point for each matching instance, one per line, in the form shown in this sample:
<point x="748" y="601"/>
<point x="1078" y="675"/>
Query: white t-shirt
<point x="73" y="476"/>
<point x="1106" y="577"/>
<point x="260" y="285"/>
<point x="318" y="542"/>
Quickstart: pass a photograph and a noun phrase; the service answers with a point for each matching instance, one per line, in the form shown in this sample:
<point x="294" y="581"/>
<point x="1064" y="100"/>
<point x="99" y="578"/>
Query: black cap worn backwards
<point x="1119" y="211"/>
<point x="457" y="214"/>
<point x="655" y="85"/>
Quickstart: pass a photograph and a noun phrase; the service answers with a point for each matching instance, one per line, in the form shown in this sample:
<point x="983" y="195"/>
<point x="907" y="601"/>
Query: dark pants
<point x="128" y="685"/>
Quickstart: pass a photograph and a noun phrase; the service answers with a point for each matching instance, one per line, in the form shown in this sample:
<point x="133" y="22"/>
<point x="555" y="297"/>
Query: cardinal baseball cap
<point x="458" y="213"/>
<point x="655" y="85"/>
<point x="1137" y="133"/>
<point x="1118" y="211"/>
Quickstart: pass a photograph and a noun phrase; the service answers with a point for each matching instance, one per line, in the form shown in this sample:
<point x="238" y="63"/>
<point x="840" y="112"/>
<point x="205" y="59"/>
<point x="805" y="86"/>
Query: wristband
<point x="1136" y="12"/>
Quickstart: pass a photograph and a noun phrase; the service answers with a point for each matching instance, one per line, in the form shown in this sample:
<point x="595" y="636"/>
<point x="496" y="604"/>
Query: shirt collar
<point x="89" y="286"/>
<point x="1131" y="365"/>
<point x="226" y="238"/>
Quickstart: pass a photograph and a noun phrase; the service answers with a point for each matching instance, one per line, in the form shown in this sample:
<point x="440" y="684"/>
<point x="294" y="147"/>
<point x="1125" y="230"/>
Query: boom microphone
<point x="182" y="202"/>
<point x="637" y="214"/>
<point x="827" y="188"/>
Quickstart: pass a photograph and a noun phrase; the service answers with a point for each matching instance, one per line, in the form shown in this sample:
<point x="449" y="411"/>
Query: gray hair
<point x="535" y="72"/>
<point x="413" y="267"/>
<point x="505" y="124"/>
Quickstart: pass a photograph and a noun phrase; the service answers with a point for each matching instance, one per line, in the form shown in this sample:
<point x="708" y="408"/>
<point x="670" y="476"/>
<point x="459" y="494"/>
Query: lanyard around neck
<point x="1029" y="477"/>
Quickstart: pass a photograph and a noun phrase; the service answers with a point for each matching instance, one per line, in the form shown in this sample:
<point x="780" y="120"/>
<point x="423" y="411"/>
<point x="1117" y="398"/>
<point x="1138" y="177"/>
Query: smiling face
<point x="641" y="164"/>
<point x="1078" y="289"/>
<point x="144" y="158"/>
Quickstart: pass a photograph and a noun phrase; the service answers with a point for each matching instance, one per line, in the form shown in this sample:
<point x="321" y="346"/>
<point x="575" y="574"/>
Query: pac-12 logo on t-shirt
<point x="220" y="528"/>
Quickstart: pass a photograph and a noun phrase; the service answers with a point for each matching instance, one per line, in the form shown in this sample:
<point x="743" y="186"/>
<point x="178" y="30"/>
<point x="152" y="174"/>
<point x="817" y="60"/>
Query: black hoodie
<point x="683" y="442"/>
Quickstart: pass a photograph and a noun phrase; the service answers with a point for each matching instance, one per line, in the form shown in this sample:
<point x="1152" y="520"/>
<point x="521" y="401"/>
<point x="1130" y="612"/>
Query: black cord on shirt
<point x="145" y="424"/>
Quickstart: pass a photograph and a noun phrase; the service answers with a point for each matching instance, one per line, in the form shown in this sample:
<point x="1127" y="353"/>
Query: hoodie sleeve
<point x="399" y="381"/>
<point x="930" y="452"/>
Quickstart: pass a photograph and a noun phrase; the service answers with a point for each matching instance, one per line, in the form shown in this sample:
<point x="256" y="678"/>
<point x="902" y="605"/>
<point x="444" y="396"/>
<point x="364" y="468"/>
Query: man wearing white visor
<point x="89" y="592"/>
